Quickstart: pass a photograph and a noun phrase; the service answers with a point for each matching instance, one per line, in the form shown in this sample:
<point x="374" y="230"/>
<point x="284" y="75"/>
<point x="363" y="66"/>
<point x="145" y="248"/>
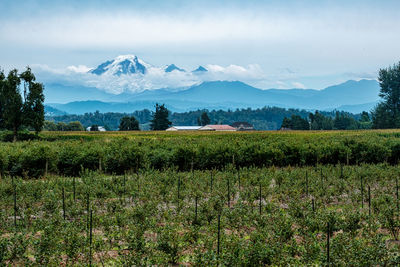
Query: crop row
<point x="252" y="217"/>
<point x="154" y="151"/>
<point x="131" y="153"/>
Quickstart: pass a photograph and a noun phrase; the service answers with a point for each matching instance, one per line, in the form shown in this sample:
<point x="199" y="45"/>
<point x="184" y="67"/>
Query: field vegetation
<point x="201" y="199"/>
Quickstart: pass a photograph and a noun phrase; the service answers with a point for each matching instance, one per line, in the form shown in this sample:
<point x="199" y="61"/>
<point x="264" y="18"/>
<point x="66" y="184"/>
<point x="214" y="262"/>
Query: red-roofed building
<point x="217" y="127"/>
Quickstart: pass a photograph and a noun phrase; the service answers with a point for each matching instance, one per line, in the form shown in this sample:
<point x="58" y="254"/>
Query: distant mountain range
<point x="352" y="96"/>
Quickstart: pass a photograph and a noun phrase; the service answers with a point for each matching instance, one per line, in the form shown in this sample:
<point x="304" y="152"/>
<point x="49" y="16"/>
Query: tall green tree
<point x="343" y="121"/>
<point x="129" y="124"/>
<point x="204" y="119"/>
<point x="34" y="108"/>
<point x="28" y="78"/>
<point x="382" y="117"/>
<point x="16" y="110"/>
<point x="286" y="123"/>
<point x="387" y="113"/>
<point x="75" y="126"/>
<point x="160" y="120"/>
<point x="13" y="105"/>
<point x="33" y="98"/>
<point x="365" y="121"/>
<point x="295" y="122"/>
<point x="320" y="122"/>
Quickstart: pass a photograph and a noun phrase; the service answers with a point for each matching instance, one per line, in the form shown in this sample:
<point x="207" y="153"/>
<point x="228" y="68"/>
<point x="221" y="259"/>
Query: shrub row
<point x="118" y="155"/>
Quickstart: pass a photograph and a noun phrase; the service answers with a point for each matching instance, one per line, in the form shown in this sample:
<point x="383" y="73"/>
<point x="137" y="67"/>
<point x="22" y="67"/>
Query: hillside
<point x="354" y="96"/>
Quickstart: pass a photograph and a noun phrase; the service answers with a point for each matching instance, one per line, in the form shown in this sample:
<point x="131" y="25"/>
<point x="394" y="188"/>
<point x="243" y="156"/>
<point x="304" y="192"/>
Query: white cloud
<point x="155" y="78"/>
<point x="251" y="74"/>
<point x="302" y="39"/>
<point x="78" y="69"/>
<point x="298" y="85"/>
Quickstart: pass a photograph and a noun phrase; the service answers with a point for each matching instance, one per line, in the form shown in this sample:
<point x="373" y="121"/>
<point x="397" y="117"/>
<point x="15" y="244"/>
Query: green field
<point x="202" y="199"/>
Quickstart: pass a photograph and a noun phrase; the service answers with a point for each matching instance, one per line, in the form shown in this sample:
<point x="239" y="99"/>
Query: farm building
<point x="242" y="126"/>
<point x="183" y="128"/>
<point x="285" y="129"/>
<point x="101" y="128"/>
<point x="217" y="127"/>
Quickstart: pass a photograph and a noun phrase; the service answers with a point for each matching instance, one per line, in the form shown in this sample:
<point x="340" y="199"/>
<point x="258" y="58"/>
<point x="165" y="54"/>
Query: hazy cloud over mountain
<point x="155" y="77"/>
<point x="319" y="42"/>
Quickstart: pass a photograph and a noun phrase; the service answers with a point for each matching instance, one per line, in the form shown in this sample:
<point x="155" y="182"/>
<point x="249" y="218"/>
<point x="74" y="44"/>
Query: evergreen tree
<point x="286" y="123"/>
<point x="320" y="122"/>
<point x="204" y="119"/>
<point x="365" y="121"/>
<point x="129" y="124"/>
<point x="365" y="117"/>
<point x="160" y="120"/>
<point x="343" y="121"/>
<point x="382" y="117"/>
<point x="295" y="122"/>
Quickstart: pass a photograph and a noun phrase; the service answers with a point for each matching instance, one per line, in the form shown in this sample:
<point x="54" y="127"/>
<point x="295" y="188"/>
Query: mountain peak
<point x="200" y="69"/>
<point x="126" y="57"/>
<point x="172" y="67"/>
<point x="123" y="64"/>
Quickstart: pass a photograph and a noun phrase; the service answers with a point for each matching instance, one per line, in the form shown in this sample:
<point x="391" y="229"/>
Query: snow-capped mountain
<point x="126" y="64"/>
<point x="131" y="64"/>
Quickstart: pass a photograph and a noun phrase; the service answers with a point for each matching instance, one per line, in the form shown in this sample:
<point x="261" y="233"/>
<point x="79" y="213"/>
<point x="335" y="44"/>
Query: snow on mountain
<point x="128" y="73"/>
<point x="131" y="64"/>
<point x="125" y="64"/>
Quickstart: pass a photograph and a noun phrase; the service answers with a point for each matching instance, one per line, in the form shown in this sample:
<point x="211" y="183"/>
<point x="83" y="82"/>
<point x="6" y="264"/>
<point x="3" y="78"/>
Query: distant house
<point x="242" y="126"/>
<point x="217" y="127"/>
<point x="285" y="129"/>
<point x="183" y="128"/>
<point x="101" y="128"/>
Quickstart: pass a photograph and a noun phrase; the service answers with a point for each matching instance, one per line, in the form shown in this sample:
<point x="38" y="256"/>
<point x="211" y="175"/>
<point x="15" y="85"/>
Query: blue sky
<point x="309" y="44"/>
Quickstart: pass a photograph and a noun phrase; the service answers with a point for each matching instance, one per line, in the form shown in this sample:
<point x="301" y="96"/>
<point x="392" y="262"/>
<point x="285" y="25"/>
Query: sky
<point x="276" y="44"/>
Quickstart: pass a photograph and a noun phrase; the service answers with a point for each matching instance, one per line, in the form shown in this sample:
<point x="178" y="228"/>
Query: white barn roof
<point x="183" y="128"/>
<point x="217" y="127"/>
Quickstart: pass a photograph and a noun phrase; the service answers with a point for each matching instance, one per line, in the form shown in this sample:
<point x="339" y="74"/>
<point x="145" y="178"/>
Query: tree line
<point x="159" y="121"/>
<point x="318" y="121"/>
<point x="21" y="102"/>
<point x="267" y="118"/>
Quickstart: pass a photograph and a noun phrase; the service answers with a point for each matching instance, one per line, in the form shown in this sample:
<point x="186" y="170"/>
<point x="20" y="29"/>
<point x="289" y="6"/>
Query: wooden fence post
<point x="219" y="235"/>
<point x="260" y="196"/>
<point x="63" y="202"/>
<point x="327" y="244"/>
<point x="369" y="201"/>
<point x="90" y="237"/>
